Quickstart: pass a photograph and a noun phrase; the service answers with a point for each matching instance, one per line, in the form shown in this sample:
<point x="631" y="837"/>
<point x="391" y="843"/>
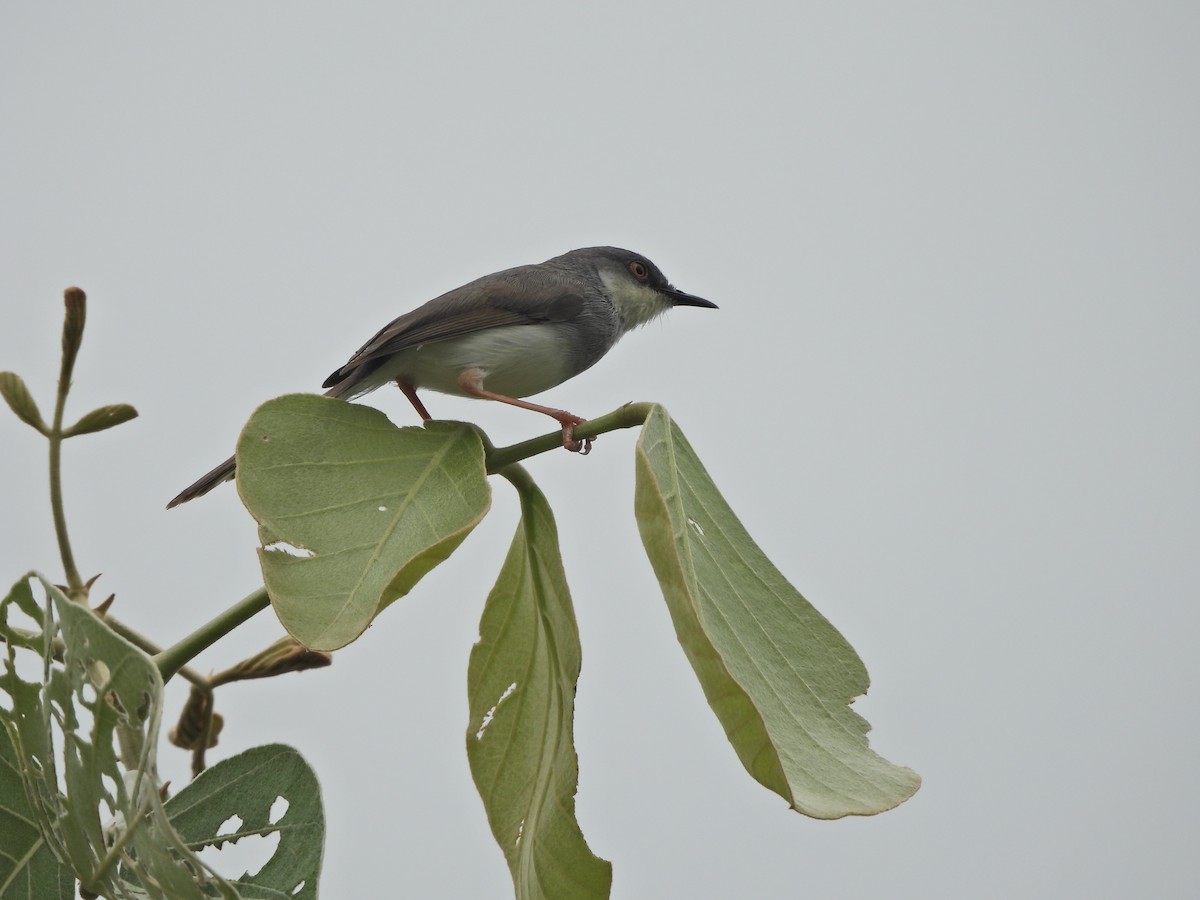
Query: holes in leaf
<point x="143" y="710"/>
<point x="230" y="826"/>
<point x="289" y="549"/>
<point x="491" y="713"/>
<point x="110" y="785"/>
<point x="247" y="854"/>
<point x="278" y="810"/>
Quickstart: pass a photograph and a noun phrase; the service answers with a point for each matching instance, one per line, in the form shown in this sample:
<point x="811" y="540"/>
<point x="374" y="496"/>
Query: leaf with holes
<point x="521" y="681"/>
<point x="778" y="675"/>
<point x="353" y="511"/>
<point x="104" y="691"/>
<point x="271" y="791"/>
<point x="28" y="868"/>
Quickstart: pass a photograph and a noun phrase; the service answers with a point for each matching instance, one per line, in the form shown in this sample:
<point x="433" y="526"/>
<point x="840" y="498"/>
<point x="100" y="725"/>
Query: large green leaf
<point x="352" y="510"/>
<point x="778" y="675"/>
<point x="521" y="683"/>
<point x="253" y="786"/>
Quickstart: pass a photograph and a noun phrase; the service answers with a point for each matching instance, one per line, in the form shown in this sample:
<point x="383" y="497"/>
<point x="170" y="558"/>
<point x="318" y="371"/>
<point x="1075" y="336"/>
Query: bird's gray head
<point x="637" y="287"/>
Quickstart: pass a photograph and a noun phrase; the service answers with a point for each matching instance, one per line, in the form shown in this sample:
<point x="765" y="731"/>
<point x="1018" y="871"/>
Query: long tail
<point x="219" y="475"/>
<point x="347" y="389"/>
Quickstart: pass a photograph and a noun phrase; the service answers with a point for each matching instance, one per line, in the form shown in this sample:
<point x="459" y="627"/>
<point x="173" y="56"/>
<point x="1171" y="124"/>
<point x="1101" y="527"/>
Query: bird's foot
<point x="569" y="421"/>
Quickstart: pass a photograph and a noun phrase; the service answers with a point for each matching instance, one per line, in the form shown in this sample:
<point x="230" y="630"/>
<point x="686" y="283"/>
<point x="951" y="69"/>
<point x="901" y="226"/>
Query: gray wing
<point x="526" y="295"/>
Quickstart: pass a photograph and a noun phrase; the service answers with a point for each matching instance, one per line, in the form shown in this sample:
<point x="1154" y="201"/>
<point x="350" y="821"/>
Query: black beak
<point x="679" y="298"/>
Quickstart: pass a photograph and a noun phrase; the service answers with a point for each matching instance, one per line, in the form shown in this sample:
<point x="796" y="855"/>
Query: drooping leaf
<point x="352" y="510"/>
<point x="521" y="683"/>
<point x="250" y="786"/>
<point x="778" y="675"/>
<point x="102" y="418"/>
<point x="20" y="401"/>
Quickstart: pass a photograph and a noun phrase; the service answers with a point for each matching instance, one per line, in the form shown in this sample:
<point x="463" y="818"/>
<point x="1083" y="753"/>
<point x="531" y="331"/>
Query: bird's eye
<point x="639" y="270"/>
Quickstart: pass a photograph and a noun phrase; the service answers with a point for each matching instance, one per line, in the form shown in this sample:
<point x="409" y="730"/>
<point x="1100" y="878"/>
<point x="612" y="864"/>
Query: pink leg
<point x="411" y="393"/>
<point x="472" y="384"/>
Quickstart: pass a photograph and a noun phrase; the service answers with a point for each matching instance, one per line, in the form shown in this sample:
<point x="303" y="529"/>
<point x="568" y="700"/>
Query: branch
<point x="631" y="415"/>
<point x="171" y="660"/>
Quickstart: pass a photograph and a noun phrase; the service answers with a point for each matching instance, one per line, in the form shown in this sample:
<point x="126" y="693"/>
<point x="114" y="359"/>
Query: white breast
<point x="516" y="360"/>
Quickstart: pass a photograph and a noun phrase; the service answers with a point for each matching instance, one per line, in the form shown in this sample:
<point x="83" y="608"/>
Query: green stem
<point x="143" y="643"/>
<point x="75" y="589"/>
<point x="148" y="646"/>
<point x="631" y="415"/>
<point x="76" y="304"/>
<point x="518" y="476"/>
<point x="173" y="658"/>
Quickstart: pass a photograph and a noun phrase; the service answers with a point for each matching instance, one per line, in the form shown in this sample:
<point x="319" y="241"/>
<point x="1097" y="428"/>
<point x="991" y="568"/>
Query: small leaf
<point x="102" y="418"/>
<point x="284" y="656"/>
<point x="521" y="682"/>
<point x="353" y="511"/>
<point x="778" y="675"/>
<point x="20" y="401"/>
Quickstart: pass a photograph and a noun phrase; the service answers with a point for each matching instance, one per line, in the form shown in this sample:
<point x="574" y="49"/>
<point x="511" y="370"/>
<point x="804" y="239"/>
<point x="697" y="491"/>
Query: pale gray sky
<point x="953" y="390"/>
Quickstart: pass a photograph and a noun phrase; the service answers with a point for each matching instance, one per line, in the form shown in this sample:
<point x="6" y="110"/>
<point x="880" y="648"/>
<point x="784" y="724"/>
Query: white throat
<point x="636" y="303"/>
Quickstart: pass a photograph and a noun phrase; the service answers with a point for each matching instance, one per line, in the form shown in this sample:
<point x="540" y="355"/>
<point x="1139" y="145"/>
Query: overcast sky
<point x="953" y="390"/>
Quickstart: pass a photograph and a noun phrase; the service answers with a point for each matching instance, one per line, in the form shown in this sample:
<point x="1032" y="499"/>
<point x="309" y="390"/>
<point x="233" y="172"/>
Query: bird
<point x="505" y="337"/>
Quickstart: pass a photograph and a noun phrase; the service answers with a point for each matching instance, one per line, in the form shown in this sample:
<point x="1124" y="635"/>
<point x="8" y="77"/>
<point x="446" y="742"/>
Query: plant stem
<point x="73" y="321"/>
<point x="171" y="660"/>
<point x="148" y="646"/>
<point x="518" y="476"/>
<point x="630" y="415"/>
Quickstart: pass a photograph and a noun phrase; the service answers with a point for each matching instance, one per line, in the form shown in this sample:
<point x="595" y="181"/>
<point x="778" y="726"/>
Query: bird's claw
<point x="582" y="447"/>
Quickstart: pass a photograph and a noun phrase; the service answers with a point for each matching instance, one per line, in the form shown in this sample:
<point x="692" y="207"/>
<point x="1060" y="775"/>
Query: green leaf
<point x="28" y="868"/>
<point x="521" y="682"/>
<point x="105" y="689"/>
<point x="352" y="510"/>
<point x="248" y="785"/>
<point x="20" y="401"/>
<point x="102" y="418"/>
<point x="778" y="675"/>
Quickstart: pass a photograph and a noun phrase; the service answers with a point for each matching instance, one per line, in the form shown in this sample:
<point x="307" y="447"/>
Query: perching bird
<point x="506" y="336"/>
